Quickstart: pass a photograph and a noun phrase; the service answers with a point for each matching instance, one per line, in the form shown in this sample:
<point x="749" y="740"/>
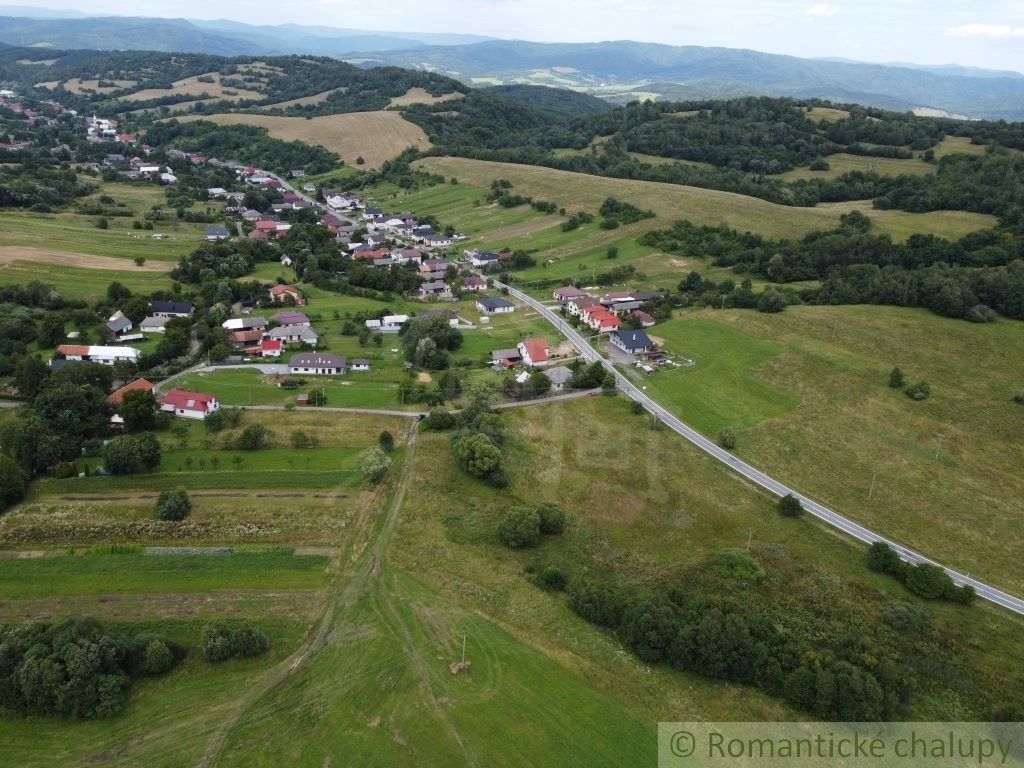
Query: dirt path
<point x="12" y="253"/>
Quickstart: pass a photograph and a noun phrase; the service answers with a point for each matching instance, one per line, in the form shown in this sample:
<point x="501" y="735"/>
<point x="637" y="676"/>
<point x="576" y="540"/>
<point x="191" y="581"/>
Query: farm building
<point x="96" y="354"/>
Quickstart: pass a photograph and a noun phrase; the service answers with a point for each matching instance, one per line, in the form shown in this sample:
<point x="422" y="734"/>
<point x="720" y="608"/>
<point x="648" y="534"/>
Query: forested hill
<point x="618" y="69"/>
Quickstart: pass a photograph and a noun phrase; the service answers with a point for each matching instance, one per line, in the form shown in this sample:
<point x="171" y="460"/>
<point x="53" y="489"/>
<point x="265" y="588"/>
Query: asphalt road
<point x="823" y="513"/>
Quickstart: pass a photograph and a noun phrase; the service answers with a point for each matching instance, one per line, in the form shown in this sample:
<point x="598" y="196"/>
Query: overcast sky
<point x="983" y="33"/>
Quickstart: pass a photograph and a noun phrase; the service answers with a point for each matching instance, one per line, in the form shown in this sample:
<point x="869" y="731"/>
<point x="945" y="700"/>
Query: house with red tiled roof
<point x="270" y="348"/>
<point x="188" y="405"/>
<point x="115" y="397"/>
<point x="280" y="293"/>
<point x="533" y="351"/>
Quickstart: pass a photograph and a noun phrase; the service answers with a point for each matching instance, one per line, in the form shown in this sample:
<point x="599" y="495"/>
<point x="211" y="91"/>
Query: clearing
<point x="842" y="162"/>
<point x="193" y="86"/>
<point x="10" y="254"/>
<point x="421" y="96"/>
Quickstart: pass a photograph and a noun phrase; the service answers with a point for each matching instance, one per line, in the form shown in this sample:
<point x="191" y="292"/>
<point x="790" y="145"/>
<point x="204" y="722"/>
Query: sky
<point x="980" y="33"/>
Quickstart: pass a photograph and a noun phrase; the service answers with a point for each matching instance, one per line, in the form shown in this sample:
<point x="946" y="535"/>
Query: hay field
<point x="420" y="96"/>
<point x="374" y="136"/>
<point x="841" y="163"/>
<point x="304" y="101"/>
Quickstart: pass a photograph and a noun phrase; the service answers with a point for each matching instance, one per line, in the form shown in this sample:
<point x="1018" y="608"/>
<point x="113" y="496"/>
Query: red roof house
<point x="115" y="397"/>
<point x="534" y="351"/>
<point x="189" y="405"/>
<point x="279" y="293"/>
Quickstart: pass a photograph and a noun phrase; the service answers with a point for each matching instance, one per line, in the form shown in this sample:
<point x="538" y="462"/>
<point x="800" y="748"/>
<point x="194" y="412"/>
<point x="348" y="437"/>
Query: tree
<point x="552" y="518"/>
<point x="218" y="352"/>
<point x="519" y="527"/>
<point x="172" y="505"/>
<point x="649" y="627"/>
<point x="387" y="441"/>
<point x="883" y="558"/>
<point x="116" y="292"/>
<point x="223" y="641"/>
<point x="129" y="454"/>
<point x="771" y="301"/>
<point x="29" y="375"/>
<point x="12" y="482"/>
<point x="727" y="438"/>
<point x="138" y="408"/>
<point x="896" y="378"/>
<point x="374" y="463"/>
<point x="790" y="506"/>
<point x="928" y="581"/>
<point x="477" y="454"/>
<point x="300" y="439"/>
<point x="51" y="331"/>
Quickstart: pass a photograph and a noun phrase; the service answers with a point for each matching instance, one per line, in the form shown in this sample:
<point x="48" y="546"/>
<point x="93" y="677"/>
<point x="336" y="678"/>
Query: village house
<point x="294" y="334"/>
<point x="505" y="357"/>
<point x="567" y="293"/>
<point x="407" y="256"/>
<point x="188" y="405"/>
<point x="360" y="364"/>
<point x="635" y="342"/>
<point x="645" y="320"/>
<point x="115" y="397"/>
<point x="533" y="352"/>
<point x="600" y="319"/>
<point x="578" y="306"/>
<point x="559" y="377"/>
<point x="154" y="324"/>
<point x="482" y="258"/>
<point x="474" y="284"/>
<point x="435" y="288"/>
<point x="282" y="293"/>
<point x="270" y="348"/>
<point x="215" y="233"/>
<point x="493" y="305"/>
<point x="96" y="354"/>
<point x="318" y="364"/>
<point x="437" y="241"/>
<point x="171" y="308"/>
<point x="119" y="326"/>
<point x="291" y="319"/>
<point x="245" y="324"/>
<point x="245" y="340"/>
<point x="388" y="323"/>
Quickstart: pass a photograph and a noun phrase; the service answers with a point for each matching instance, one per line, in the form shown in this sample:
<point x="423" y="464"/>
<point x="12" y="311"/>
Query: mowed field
<point x="192" y="86"/>
<point x="842" y="162"/>
<point x="672" y="202"/>
<point x="422" y="96"/>
<point x="814" y="409"/>
<point x="374" y="136"/>
<point x="77" y="85"/>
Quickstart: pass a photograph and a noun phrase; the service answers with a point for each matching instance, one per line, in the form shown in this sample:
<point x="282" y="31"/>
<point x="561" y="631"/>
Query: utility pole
<point x="463" y="662"/>
<point x="938" y="447"/>
<point x="750" y="535"/>
<point x="835" y="329"/>
<point x="871" y="491"/>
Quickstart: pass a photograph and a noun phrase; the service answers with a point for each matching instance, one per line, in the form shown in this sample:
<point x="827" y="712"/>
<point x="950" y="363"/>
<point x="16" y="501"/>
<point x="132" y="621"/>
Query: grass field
<point x="374" y="136"/>
<point x="672" y="202"/>
<point x="953" y="144"/>
<point x="421" y="96"/>
<point x="841" y="163"/>
<point x="303" y="101"/>
<point x="815" y="410"/>
<point x="77" y="85"/>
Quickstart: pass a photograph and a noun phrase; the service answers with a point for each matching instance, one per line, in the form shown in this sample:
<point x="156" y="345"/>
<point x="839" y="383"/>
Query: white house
<point x="188" y="405"/>
<point x="97" y="354"/>
<point x="492" y="305"/>
<point x="387" y="324"/>
<point x="359" y="364"/>
<point x="318" y="364"/>
<point x="533" y="351"/>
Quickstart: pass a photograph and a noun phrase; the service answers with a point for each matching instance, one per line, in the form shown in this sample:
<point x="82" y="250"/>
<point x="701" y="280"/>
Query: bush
<point x="223" y="641"/>
<point x="790" y="506"/>
<point x="727" y="438"/>
<point x="253" y="438"/>
<point x="129" y="454"/>
<point x="600" y="604"/>
<point x="883" y="558"/>
<point x="903" y="616"/>
<point x="896" y="378"/>
<point x="772" y="301"/>
<point x="919" y="391"/>
<point x="373" y="464"/>
<point x="439" y="420"/>
<point x="738" y="564"/>
<point x="150" y="654"/>
<point x="520" y="527"/>
<point x="172" y="505"/>
<point x="552" y="578"/>
<point x="12" y="482"/>
<point x="387" y="441"/>
<point x="928" y="581"/>
<point x="552" y="518"/>
<point x="300" y="439"/>
<point x="222" y="419"/>
<point x="650" y="627"/>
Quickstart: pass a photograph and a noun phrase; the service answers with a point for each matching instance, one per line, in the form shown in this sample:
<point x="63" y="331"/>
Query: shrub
<point x="172" y="505"/>
<point x="919" y="391"/>
<point x="649" y="627"/>
<point x="772" y="301"/>
<point x="790" y="506"/>
<point x="883" y="558"/>
<point x="600" y="604"/>
<point x="253" y="438"/>
<point x="374" y="463"/>
<point x="300" y="439"/>
<point x="149" y="654"/>
<point x="553" y="578"/>
<point x="223" y="641"/>
<point x="896" y="378"/>
<point x="901" y="616"/>
<point x="737" y="564"/>
<point x="439" y="420"/>
<point x="387" y="441"/>
<point x="519" y="528"/>
<point x="928" y="581"/>
<point x="552" y="518"/>
<point x="222" y="419"/>
<point x="727" y="438"/>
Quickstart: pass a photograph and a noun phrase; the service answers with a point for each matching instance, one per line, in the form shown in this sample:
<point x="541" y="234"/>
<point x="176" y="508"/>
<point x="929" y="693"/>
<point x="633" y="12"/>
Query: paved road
<point x="986" y="591"/>
<point x="316" y="206"/>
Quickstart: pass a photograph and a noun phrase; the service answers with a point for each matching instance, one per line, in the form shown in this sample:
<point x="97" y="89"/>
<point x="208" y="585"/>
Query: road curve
<point x="823" y="513"/>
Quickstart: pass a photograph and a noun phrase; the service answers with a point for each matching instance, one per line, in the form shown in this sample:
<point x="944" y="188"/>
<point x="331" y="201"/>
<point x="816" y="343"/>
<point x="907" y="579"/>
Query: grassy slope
<point x="817" y="412"/>
<point x="672" y="202"/>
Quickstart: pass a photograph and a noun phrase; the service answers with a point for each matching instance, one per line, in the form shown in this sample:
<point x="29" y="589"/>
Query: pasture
<point x="193" y="86"/>
<point x="374" y="136"/>
<point x="842" y="162"/>
<point x="815" y="409"/>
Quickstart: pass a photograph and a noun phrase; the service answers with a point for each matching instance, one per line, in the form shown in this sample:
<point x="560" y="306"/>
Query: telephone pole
<point x="871" y="491"/>
<point x="463" y="662"/>
<point x="938" y="447"/>
<point x="750" y="535"/>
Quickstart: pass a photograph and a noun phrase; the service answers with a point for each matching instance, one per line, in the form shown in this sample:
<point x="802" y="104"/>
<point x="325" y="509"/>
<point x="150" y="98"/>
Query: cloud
<point x="985" y="30"/>
<point x="822" y="10"/>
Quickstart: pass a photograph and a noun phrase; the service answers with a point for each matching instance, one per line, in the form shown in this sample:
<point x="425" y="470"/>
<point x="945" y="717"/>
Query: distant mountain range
<point x="618" y="71"/>
<point x="221" y="37"/>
